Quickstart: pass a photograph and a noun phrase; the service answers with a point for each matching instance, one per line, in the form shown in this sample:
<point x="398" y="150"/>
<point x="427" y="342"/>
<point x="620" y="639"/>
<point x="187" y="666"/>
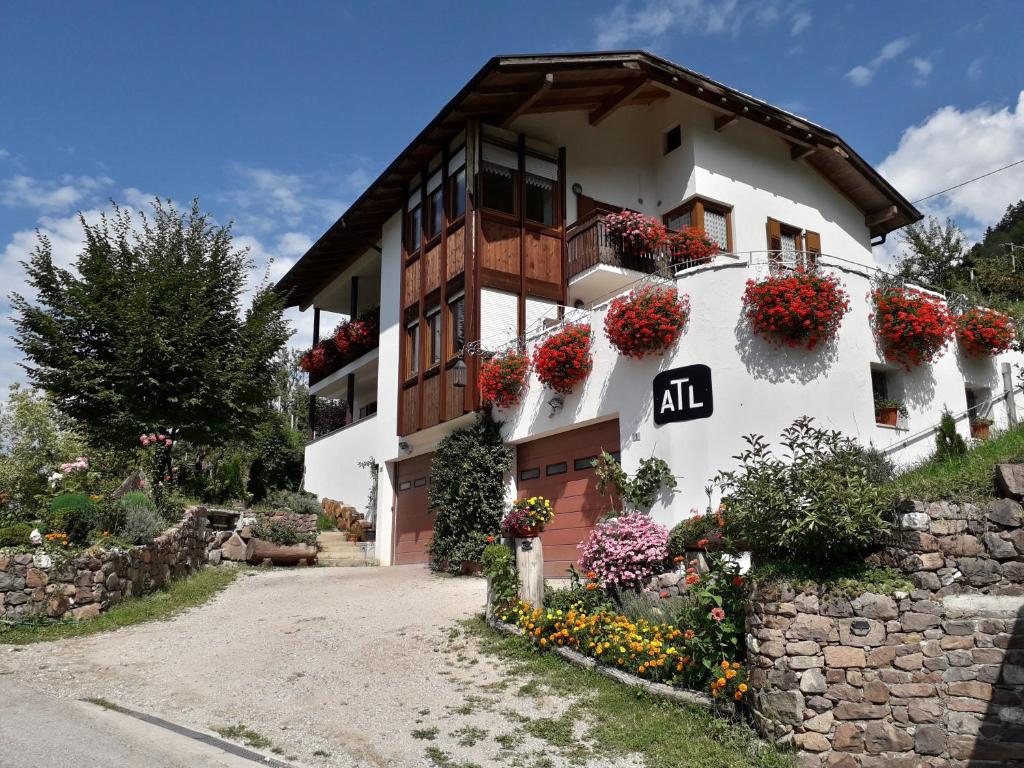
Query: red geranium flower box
<point x="984" y="332"/>
<point x="502" y="379"/>
<point x="646" y="321"/>
<point x="798" y="309"/>
<point x="563" y="359"/>
<point x="913" y="326"/>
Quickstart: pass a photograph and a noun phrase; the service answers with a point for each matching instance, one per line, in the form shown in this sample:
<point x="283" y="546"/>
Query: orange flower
<point x="591" y="574"/>
<point x="591" y="586"/>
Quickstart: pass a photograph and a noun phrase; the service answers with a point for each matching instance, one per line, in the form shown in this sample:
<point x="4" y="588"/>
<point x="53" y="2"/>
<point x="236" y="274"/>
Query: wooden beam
<point x="524" y="105"/>
<point x="875" y="218"/>
<point x="723" y="121"/>
<point x="616" y="100"/>
<point x="799" y="151"/>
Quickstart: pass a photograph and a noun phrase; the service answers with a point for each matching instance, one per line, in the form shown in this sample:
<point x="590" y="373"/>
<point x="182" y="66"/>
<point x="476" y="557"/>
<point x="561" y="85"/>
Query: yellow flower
<point x="743" y="687"/>
<point x="721" y="682"/>
<point x="725" y="665"/>
<point x="731" y="674"/>
<point x="735" y="665"/>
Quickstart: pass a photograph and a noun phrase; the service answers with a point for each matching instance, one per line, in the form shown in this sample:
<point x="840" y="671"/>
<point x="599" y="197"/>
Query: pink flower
<point x="159" y="437"/>
<point x="717" y="614"/>
<point x="169" y="442"/>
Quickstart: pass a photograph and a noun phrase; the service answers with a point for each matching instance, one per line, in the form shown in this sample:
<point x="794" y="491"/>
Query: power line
<point x="965" y="183"/>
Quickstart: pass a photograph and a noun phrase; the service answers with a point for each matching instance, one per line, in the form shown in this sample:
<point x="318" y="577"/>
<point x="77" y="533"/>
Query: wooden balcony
<point x="589" y="244"/>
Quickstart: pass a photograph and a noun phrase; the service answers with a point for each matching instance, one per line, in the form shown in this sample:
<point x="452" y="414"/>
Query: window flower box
<point x="888" y="412"/>
<point x="981" y="428"/>
<point x="912" y="326"/>
<point x="984" y="332"/>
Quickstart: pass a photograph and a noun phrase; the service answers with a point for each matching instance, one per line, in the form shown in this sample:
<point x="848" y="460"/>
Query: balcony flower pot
<point x="887" y="416"/>
<point x="527" y="518"/>
<point x="980" y="429"/>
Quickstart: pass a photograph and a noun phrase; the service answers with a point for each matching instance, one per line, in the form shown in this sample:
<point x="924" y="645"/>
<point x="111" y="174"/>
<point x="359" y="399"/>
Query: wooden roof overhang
<point x="600" y="83"/>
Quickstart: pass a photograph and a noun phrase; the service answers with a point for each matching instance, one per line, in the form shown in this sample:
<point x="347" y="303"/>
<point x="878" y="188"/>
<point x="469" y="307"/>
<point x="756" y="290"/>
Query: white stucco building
<point x="488" y="228"/>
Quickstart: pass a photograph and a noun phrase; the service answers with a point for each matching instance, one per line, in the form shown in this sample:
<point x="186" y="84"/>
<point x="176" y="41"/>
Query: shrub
<point x="913" y="326"/>
<point x="502" y="379"/>
<point x="800" y="309"/>
<point x="172" y="507"/>
<point x="467" y="492"/>
<point x="299" y="502"/>
<point x="948" y="442"/>
<point x="325" y="523"/>
<point x="499" y="566"/>
<point x="278" y="532"/>
<point x="811" y="505"/>
<point x="142" y="521"/>
<point x="877" y="466"/>
<point x="984" y="332"/>
<point x="563" y="359"/>
<point x="697" y="532"/>
<point x="646" y="321"/>
<point x="15" y="535"/>
<point x="626" y="551"/>
<point x="73" y="514"/>
<point x="588" y="597"/>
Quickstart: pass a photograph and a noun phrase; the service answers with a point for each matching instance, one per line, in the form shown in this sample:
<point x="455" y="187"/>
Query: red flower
<point x="914" y="326"/>
<point x="799" y="309"/>
<point x="737" y="581"/>
<point x="490" y="539"/>
<point x="563" y="360"/>
<point x="984" y="332"/>
<point x="502" y="379"/>
<point x="717" y="614"/>
<point x="646" y="321"/>
<point x="691" y="247"/>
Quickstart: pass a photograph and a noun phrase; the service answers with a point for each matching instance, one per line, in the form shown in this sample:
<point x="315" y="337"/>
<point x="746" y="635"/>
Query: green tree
<point x="146" y="331"/>
<point x="934" y="254"/>
<point x="34" y="440"/>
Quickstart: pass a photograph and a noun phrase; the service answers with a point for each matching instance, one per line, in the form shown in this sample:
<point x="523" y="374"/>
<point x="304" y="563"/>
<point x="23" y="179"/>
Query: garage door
<point x="558" y="468"/>
<point x="414" y="525"/>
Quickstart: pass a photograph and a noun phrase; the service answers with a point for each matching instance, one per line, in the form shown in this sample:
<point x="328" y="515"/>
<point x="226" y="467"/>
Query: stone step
<point x="345" y="562"/>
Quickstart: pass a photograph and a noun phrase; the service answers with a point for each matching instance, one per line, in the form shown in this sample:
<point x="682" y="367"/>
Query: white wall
<point x="758" y="388"/>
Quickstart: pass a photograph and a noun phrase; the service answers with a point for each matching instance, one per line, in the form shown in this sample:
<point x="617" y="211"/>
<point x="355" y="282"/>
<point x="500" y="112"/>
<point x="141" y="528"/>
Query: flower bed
<point x="502" y="379"/>
<point x="912" y="325"/>
<point x="801" y="309"/>
<point x="646" y="321"/>
<point x="984" y="332"/>
<point x="563" y="359"/>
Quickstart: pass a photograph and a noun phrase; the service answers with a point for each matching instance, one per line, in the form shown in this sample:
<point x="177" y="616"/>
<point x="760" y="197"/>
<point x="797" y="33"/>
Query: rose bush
<point x="626" y="551"/>
<point x="502" y="379"/>
<point x="563" y="359"/>
<point x="646" y="321"/>
<point x="912" y="325"/>
<point x="984" y="332"/>
<point x="799" y="309"/>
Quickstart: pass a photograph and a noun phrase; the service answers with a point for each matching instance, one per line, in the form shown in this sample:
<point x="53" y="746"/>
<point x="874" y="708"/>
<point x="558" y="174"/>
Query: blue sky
<point x="277" y="114"/>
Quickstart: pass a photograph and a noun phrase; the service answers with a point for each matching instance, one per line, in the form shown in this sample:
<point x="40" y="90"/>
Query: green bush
<point x="142" y="521"/>
<point x="281" y="533"/>
<point x="324" y="523"/>
<point x="467" y="492"/>
<point x="948" y="443"/>
<point x="15" y="535"/>
<point x="73" y="514"/>
<point x="815" y="504"/>
<point x="589" y="598"/>
<point x="499" y="566"/>
<point x="299" y="502"/>
<point x="172" y="507"/>
<point x="877" y="466"/>
<point x="685" y="535"/>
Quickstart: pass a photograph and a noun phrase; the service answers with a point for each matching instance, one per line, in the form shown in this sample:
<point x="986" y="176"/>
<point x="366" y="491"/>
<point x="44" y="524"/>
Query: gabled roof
<point x="509" y="86"/>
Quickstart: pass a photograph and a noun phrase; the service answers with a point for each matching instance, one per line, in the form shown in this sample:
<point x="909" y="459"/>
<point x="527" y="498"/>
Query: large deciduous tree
<point x="147" y="332"/>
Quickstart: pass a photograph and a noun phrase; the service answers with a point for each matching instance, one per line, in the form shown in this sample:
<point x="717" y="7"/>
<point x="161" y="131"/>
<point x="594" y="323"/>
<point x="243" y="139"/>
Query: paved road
<point x="42" y="731"/>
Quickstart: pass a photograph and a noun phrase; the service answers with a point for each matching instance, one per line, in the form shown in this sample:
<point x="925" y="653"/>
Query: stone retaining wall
<point x="929" y="677"/>
<point x="87" y="584"/>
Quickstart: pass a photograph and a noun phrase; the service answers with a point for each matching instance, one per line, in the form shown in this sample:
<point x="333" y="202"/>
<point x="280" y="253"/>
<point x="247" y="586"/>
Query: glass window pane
<point x="714" y="227"/>
<point x="434" y="341"/>
<point x="498" y="188"/>
<point x="457" y="310"/>
<point x="413" y="352"/>
<point x="539" y="199"/>
<point x="458" y="193"/>
<point x="412" y="238"/>
<point x="436" y="212"/>
<point x="680" y="220"/>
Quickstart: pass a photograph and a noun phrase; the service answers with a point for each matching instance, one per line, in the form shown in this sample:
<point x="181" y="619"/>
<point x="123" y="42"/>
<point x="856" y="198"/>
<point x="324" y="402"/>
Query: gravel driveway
<point x="336" y="666"/>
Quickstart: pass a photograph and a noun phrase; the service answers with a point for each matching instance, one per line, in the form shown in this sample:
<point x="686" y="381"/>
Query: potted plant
<point x="912" y="325"/>
<point x="646" y="321"/>
<point x="691" y="247"/>
<point x="502" y="379"/>
<point x="984" y="332"/>
<point x="796" y="309"/>
<point x="563" y="359"/>
<point x="980" y="428"/>
<point x="527" y="518"/>
<point x="635" y="233"/>
<point x="888" y="411"/>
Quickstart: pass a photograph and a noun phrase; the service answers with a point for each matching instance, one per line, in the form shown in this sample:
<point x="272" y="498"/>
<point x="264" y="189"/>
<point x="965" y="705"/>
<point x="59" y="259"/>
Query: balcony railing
<point x="590" y="243"/>
<point x="355" y="345"/>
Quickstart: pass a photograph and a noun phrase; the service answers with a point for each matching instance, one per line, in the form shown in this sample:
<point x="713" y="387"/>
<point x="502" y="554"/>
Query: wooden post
<point x="530" y="564"/>
<point x="1011" y="405"/>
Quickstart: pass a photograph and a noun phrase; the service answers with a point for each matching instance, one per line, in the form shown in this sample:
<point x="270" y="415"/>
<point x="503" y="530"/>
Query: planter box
<point x="981" y="431"/>
<point x="887" y="416"/>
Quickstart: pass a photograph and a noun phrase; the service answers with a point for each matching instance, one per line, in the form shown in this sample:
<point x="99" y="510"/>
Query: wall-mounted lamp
<point x="404" y="447"/>
<point x="459" y="374"/>
<point x="555" y="404"/>
<point x="577" y="188"/>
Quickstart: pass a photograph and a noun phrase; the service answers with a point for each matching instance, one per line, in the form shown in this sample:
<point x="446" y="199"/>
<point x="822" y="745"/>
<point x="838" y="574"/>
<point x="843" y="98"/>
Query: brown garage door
<point x="558" y="468"/>
<point x="414" y="525"/>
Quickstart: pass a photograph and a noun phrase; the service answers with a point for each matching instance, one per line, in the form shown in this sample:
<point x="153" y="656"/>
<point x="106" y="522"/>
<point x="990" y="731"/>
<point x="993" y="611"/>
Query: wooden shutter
<point x="774" y="229"/>
<point x="812" y="242"/>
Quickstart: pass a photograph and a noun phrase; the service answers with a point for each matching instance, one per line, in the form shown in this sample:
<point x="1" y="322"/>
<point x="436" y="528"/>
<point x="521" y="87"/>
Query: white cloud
<point x="862" y="74"/>
<point x="953" y="145"/>
<point x="61" y="194"/>
<point x="922" y="70"/>
<point x="975" y="69"/>
<point x="642" y="22"/>
<point x="4" y="153"/>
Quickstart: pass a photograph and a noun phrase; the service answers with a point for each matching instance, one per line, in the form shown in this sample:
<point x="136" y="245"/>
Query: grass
<point x="848" y="579"/>
<point x="619" y="721"/>
<point x="246" y="735"/>
<point x="180" y="595"/>
<point x="968" y="478"/>
<point x="425" y="734"/>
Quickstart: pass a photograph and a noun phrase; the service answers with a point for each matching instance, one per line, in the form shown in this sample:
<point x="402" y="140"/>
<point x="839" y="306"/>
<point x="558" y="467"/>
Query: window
<point x="413" y="228"/>
<point x="419" y="482"/>
<point x="587" y="462"/>
<point x="405" y="485"/>
<point x="530" y="474"/>
<point x="412" y="349"/>
<point x="672" y="139"/>
<point x="433" y="337"/>
<point x="367" y="410"/>
<point x="979" y="405"/>
<point x="498" y="188"/>
<point x="539" y="200"/>
<point x="557" y="469"/>
<point x="457" y="193"/>
<point x="887" y="386"/>
<point x="435" y="213"/>
<point x="790" y="247"/>
<point x="456" y="325"/>
<point x="715" y="219"/>
<point x="879" y="384"/>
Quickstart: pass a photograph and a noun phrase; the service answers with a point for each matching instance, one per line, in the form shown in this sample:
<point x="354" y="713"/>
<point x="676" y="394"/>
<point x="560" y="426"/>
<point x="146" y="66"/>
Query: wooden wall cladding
<point x="410" y="409"/>
<point x="454" y="398"/>
<point x="543" y="258"/>
<point x="499" y="247"/>
<point x="411" y="289"/>
<point x="432" y="269"/>
<point x="431" y="401"/>
<point x="456" y="256"/>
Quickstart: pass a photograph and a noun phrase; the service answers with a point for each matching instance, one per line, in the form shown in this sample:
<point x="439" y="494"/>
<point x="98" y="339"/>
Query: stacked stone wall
<point x="84" y="585"/>
<point x="933" y="676"/>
